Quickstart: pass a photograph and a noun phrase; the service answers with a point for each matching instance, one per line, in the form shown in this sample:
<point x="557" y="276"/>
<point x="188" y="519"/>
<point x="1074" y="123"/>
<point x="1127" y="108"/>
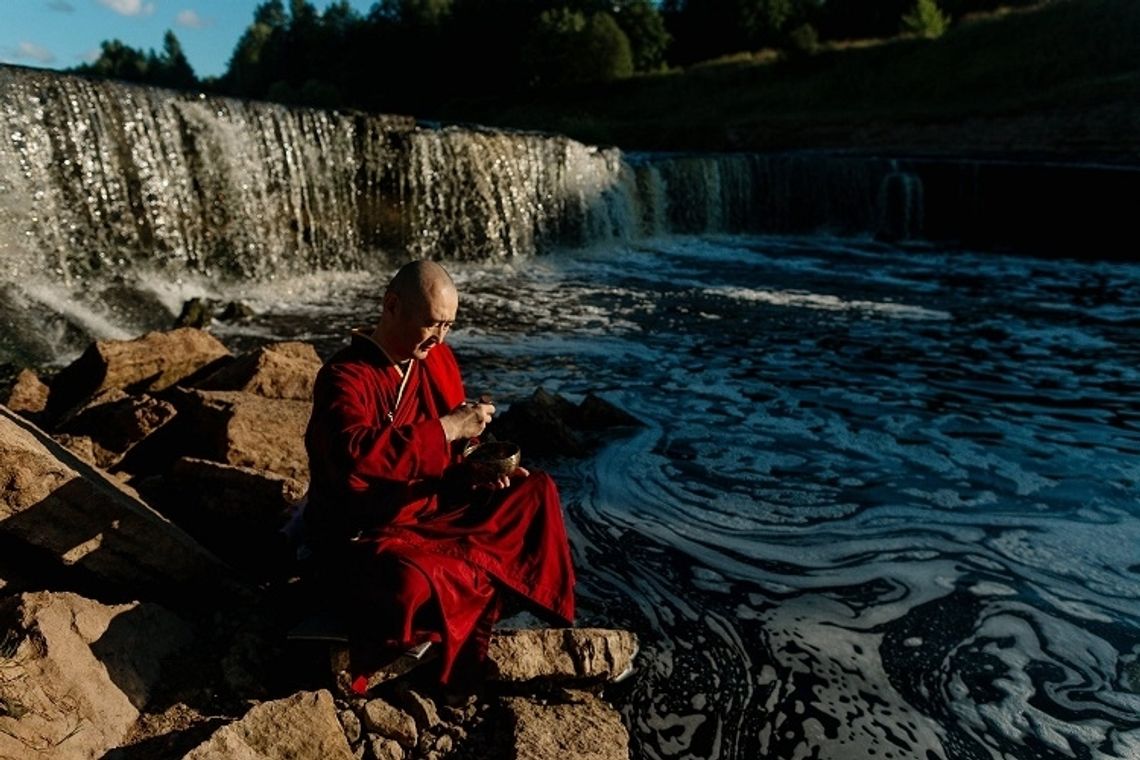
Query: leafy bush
<point x="925" y="19"/>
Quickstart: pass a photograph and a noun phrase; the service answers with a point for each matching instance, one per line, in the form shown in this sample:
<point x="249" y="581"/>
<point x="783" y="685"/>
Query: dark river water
<point x="886" y="502"/>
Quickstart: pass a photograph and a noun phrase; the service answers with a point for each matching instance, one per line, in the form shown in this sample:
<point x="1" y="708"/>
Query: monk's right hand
<point x="467" y="421"/>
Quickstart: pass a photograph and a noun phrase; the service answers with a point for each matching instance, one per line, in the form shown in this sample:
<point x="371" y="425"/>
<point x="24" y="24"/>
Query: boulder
<point x="561" y="654"/>
<point x="28" y="394"/>
<point x="595" y="413"/>
<point x="51" y="500"/>
<point x="387" y="720"/>
<point x="301" y="726"/>
<point x="251" y="498"/>
<point x="153" y="362"/>
<point x="579" y="727"/>
<point x="245" y="430"/>
<point x="541" y="427"/>
<point x="237" y="512"/>
<point x="115" y="422"/>
<point x="76" y="673"/>
<point x="279" y="370"/>
<point x="548" y="425"/>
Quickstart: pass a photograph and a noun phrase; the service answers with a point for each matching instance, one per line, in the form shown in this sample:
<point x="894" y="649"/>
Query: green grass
<point x="1062" y="78"/>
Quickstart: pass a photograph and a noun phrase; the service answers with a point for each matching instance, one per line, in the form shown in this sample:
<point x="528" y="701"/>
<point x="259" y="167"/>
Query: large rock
<point x="579" y="727"/>
<point x="382" y="718"/>
<point x="237" y="512"/>
<point x="153" y="362"/>
<point x="549" y="425"/>
<point x="28" y="394"/>
<point x="81" y="671"/>
<point x="279" y="370"/>
<point x="302" y="726"/>
<point x="51" y="500"/>
<point x="115" y="422"/>
<point x="561" y="654"/>
<point x="245" y="430"/>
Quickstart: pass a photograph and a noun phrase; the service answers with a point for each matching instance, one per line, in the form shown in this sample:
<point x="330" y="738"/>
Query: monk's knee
<point x="410" y="587"/>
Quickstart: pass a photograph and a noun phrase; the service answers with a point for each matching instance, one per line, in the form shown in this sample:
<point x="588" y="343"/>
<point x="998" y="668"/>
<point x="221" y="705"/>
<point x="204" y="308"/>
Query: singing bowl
<point x="492" y="460"/>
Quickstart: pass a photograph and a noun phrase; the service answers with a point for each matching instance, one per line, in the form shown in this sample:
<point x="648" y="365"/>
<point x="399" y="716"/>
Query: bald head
<point x="419" y="279"/>
<point x="419" y="309"/>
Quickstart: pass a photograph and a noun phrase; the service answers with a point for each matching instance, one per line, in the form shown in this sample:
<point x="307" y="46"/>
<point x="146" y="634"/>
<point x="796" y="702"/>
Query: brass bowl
<point x="491" y="460"/>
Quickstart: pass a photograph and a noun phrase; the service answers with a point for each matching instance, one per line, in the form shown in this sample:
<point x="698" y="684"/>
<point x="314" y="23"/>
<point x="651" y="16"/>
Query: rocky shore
<point x="147" y="590"/>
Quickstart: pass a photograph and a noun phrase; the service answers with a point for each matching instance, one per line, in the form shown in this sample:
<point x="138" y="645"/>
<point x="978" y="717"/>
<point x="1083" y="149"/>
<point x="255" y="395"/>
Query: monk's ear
<point x="391" y="303"/>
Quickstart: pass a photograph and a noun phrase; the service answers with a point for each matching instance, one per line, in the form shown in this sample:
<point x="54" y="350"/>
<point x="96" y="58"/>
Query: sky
<point x="59" y="34"/>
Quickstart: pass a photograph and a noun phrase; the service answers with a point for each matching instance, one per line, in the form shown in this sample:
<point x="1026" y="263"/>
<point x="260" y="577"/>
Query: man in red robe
<point x="420" y="552"/>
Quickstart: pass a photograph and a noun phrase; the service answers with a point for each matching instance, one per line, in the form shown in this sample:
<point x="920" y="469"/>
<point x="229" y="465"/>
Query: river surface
<point x="886" y="501"/>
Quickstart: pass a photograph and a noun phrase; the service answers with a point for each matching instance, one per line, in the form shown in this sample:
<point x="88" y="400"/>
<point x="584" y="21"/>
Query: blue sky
<point x="59" y="34"/>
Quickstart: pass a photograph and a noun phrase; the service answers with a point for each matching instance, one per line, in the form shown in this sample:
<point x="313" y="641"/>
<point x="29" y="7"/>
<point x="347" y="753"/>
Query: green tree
<point x="645" y="28"/>
<point x="567" y="47"/>
<point x="118" y="61"/>
<point x="925" y="19"/>
<point x="173" y="68"/>
<point x="253" y="64"/>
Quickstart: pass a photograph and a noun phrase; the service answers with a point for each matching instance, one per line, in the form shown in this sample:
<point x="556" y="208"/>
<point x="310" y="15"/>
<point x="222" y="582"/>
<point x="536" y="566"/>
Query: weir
<point x="103" y="182"/>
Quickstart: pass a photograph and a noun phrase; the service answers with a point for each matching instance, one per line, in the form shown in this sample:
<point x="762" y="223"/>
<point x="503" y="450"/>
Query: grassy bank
<point x="1060" y="80"/>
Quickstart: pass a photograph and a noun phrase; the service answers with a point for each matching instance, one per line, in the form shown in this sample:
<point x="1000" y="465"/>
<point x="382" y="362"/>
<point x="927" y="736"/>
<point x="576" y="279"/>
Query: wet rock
<point x="28" y="394"/>
<point x="540" y="426"/>
<point x="242" y="429"/>
<point x="75" y="673"/>
<point x="153" y="362"/>
<point x="548" y="425"/>
<point x="595" y="413"/>
<point x="115" y="422"/>
<point x="196" y="313"/>
<point x="387" y="720"/>
<point x="279" y="370"/>
<point x="561" y="654"/>
<point x="304" y="725"/>
<point x="83" y="519"/>
<point x="583" y="728"/>
<point x="235" y="311"/>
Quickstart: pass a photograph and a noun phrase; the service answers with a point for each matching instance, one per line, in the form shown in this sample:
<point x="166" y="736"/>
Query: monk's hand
<point x="467" y="421"/>
<point x="504" y="481"/>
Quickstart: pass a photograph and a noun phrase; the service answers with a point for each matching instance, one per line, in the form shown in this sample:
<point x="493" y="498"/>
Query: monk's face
<point x="421" y="322"/>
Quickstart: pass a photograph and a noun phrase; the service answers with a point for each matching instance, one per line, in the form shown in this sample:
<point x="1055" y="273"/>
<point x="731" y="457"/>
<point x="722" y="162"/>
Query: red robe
<point x="383" y="496"/>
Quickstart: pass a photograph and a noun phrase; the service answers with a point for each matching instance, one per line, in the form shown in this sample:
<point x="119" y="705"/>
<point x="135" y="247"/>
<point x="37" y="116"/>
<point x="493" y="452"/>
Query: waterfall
<point x="900" y="205"/>
<point x="103" y="184"/>
<point x="100" y="180"/>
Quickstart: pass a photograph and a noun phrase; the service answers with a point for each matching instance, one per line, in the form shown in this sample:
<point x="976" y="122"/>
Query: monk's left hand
<point x="505" y="480"/>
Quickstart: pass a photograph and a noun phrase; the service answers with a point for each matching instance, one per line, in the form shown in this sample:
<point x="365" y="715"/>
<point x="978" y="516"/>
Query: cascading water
<point x="104" y="185"/>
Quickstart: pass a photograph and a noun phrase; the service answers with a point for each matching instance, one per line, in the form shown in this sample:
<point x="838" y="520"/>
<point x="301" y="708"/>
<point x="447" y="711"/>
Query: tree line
<point x="410" y="55"/>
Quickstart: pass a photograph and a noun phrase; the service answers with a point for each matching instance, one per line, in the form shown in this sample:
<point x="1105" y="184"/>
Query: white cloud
<point x="30" y="51"/>
<point x="129" y="7"/>
<point x="61" y="5"/>
<point x="191" y="20"/>
<point x="90" y="56"/>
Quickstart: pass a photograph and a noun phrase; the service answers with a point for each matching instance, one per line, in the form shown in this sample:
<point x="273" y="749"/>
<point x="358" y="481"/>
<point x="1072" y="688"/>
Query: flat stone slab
<point x="561" y="654"/>
<point x="51" y="500"/>
<point x="578" y="727"/>
<point x="304" y="725"/>
<point x="77" y="672"/>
